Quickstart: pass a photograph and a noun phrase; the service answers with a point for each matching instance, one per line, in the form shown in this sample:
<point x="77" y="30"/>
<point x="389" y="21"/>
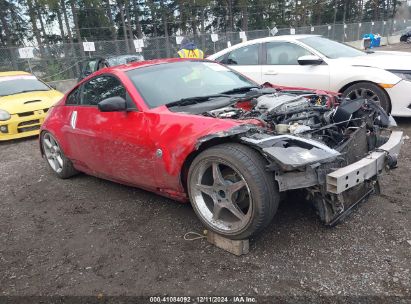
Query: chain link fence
<point x="65" y="61"/>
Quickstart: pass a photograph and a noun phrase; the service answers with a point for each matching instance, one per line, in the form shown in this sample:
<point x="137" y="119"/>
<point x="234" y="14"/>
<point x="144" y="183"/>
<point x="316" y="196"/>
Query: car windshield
<point x="331" y="49"/>
<point x="163" y="84"/>
<point x="20" y="84"/>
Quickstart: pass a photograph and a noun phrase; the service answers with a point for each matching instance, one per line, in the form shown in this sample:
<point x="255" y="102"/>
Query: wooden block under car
<point x="237" y="247"/>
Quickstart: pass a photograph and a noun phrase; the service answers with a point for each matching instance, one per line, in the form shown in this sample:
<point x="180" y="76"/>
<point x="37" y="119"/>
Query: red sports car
<point x="197" y="131"/>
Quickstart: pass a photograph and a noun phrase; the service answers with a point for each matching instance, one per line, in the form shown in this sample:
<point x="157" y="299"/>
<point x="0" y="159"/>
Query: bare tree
<point x="76" y="25"/>
<point x="123" y="23"/>
<point x="130" y="31"/>
<point x="136" y="11"/>
<point x="36" y="31"/>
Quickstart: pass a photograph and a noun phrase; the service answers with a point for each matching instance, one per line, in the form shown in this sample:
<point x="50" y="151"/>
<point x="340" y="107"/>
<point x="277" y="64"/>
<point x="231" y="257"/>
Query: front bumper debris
<point x="366" y="168"/>
<point x="326" y="187"/>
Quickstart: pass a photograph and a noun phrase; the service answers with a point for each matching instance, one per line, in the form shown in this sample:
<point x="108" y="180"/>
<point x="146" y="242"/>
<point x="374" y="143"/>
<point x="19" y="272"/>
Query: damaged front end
<point x="315" y="141"/>
<point x="327" y="173"/>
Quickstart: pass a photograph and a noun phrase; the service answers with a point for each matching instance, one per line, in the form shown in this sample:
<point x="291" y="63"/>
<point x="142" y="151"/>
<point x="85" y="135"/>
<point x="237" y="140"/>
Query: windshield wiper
<point x="198" y="99"/>
<point x="193" y="100"/>
<point x="240" y="90"/>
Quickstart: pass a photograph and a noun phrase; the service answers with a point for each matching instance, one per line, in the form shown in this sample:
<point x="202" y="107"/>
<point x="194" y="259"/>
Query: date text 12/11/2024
<point x="200" y="299"/>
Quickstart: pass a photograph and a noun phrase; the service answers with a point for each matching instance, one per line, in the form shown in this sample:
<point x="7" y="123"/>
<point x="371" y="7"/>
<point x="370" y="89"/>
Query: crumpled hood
<point x="381" y="59"/>
<point x="29" y="101"/>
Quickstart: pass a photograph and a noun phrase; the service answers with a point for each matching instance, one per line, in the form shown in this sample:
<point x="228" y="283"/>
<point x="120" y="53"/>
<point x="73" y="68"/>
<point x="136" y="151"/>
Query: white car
<point x="311" y="61"/>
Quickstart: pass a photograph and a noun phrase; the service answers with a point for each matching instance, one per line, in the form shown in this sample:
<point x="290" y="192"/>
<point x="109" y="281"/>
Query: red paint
<point x="245" y="105"/>
<point x="122" y="146"/>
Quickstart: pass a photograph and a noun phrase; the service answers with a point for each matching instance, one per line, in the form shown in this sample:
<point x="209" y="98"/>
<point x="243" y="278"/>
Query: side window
<point x="73" y="97"/>
<point x="247" y="55"/>
<point x="100" y="88"/>
<point x="284" y="53"/>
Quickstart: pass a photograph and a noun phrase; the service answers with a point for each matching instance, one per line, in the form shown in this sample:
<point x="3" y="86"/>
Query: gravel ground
<point x="87" y="236"/>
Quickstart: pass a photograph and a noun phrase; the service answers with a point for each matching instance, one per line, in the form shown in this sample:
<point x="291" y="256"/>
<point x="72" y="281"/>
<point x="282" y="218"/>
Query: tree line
<point x="44" y="22"/>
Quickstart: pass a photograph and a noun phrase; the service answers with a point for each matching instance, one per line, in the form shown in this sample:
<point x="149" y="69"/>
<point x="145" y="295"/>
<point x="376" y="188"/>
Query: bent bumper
<point x="366" y="168"/>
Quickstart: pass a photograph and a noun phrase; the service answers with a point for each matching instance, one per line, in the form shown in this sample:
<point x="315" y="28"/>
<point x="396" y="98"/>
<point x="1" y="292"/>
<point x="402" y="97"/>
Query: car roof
<point x="124" y="56"/>
<point x="283" y="37"/>
<point x="113" y="56"/>
<point x="13" y="73"/>
<point x="261" y="40"/>
<point x="139" y="64"/>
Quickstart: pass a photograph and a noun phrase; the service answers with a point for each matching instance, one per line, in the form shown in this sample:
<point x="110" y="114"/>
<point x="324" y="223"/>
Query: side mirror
<point x="310" y="60"/>
<point x="113" y="104"/>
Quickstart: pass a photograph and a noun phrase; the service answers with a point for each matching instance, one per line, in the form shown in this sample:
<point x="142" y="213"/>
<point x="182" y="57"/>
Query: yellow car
<point x="24" y="102"/>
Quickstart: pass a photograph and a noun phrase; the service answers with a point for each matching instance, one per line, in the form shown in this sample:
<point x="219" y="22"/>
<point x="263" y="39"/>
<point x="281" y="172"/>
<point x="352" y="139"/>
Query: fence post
<point x="13" y="60"/>
<point x="168" y="53"/>
<point x="358" y="32"/>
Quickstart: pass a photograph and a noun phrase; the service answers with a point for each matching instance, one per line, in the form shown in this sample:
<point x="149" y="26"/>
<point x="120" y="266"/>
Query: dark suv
<point x="94" y="64"/>
<point x="406" y="36"/>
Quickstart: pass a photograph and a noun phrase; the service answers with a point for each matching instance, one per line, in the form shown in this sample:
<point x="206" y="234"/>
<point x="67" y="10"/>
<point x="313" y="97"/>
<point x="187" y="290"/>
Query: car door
<point x="281" y="67"/>
<point x="246" y="60"/>
<point x="113" y="145"/>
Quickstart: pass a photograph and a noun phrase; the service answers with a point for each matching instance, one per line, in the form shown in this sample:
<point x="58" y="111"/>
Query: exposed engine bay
<point x="323" y="117"/>
<point x="307" y="136"/>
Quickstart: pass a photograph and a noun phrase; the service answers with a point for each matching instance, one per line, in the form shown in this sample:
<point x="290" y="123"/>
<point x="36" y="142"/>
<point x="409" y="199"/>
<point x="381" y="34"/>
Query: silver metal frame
<point x="366" y="168"/>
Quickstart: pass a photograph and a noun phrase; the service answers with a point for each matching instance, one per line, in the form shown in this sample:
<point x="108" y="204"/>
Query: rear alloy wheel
<point x="231" y="192"/>
<point x="369" y="91"/>
<point x="55" y="157"/>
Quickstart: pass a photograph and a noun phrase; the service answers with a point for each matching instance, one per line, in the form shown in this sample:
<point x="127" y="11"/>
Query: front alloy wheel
<point x="231" y="192"/>
<point x="222" y="196"/>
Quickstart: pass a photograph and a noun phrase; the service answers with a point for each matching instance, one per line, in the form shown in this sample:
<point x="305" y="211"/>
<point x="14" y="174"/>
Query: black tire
<point x="66" y="170"/>
<point x="260" y="187"/>
<point x="371" y="91"/>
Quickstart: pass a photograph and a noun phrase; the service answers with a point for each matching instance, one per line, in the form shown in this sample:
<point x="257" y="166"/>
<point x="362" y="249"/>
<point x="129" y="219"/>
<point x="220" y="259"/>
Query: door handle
<point x="73" y="119"/>
<point x="271" y="72"/>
